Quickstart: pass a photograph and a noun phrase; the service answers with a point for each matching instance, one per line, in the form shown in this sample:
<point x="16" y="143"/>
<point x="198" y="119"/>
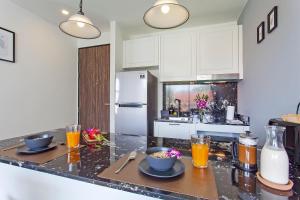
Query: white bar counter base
<point x="24" y="184"/>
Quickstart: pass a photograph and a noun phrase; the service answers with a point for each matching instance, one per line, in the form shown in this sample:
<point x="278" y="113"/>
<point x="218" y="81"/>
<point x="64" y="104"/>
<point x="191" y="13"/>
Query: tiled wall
<point x="186" y="92"/>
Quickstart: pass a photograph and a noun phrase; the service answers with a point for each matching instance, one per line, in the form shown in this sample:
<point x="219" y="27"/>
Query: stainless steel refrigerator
<point x="136" y="102"/>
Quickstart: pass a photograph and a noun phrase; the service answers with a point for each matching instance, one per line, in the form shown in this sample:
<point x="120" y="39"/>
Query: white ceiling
<point x="129" y="13"/>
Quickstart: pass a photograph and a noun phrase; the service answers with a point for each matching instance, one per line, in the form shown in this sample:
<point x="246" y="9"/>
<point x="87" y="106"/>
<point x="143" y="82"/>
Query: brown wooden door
<point x="93" y="87"/>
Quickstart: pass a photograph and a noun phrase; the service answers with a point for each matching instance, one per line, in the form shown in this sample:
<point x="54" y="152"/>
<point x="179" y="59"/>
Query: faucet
<point x="298" y="107"/>
<point x="179" y="106"/>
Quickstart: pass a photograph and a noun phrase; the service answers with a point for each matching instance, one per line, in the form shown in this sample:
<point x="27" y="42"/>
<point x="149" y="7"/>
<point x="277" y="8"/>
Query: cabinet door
<point x="173" y="130"/>
<point x="217" y="51"/>
<point x="142" y="52"/>
<point x="178" y="57"/>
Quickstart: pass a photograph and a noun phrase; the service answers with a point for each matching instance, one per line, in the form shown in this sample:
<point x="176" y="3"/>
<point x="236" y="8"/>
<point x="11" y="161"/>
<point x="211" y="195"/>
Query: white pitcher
<point x="274" y="161"/>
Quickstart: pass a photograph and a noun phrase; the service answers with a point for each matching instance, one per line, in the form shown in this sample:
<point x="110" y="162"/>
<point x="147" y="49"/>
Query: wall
<point x="116" y="57"/>
<point x="271" y="85"/>
<point x="39" y="91"/>
<point x="103" y="39"/>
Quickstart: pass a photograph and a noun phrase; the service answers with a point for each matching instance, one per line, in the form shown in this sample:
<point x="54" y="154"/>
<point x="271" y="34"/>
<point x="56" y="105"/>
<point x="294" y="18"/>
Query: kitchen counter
<point x="198" y="122"/>
<point x="165" y="128"/>
<point x="93" y="161"/>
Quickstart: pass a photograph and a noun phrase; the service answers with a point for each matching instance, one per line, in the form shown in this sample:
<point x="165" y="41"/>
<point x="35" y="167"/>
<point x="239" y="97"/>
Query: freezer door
<point x="131" y="119"/>
<point x="131" y="87"/>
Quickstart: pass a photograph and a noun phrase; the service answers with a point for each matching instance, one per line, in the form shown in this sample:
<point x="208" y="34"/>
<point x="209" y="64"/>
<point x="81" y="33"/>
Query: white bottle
<point x="274" y="161"/>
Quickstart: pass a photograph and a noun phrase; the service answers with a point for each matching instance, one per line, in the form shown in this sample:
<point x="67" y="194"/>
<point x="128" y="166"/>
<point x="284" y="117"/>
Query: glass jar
<point x="274" y="160"/>
<point x="247" y="151"/>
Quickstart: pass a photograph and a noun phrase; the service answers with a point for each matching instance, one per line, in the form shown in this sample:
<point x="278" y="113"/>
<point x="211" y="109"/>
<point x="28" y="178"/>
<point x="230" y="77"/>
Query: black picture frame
<point x="12" y="43"/>
<point x="260" y="32"/>
<point x="273" y="19"/>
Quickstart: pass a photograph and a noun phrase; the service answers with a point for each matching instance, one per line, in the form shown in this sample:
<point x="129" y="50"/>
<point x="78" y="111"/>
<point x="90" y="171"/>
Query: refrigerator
<point x="136" y="103"/>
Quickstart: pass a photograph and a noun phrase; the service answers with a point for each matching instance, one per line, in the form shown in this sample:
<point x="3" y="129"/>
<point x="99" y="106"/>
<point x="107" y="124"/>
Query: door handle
<point x="172" y="124"/>
<point x="107" y="104"/>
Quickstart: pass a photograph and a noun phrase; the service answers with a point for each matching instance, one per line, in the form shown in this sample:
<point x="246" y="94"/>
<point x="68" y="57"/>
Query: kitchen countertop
<point x="198" y="122"/>
<point x="93" y="161"/>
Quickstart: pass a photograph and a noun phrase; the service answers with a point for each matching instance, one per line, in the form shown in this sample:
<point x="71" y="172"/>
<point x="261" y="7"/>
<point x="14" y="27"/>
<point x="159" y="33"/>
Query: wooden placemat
<point x="40" y="158"/>
<point x="199" y="183"/>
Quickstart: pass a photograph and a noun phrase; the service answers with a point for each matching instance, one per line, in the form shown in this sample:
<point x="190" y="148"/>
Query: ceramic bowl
<point x="159" y="164"/>
<point x="38" y="141"/>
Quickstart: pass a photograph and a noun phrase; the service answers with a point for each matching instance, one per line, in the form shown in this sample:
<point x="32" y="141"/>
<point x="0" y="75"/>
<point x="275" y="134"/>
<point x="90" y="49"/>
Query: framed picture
<point x="261" y="32"/>
<point x="7" y="45"/>
<point x="273" y="19"/>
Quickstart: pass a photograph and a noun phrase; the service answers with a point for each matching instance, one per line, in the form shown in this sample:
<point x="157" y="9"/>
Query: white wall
<point x="271" y="85"/>
<point x="103" y="39"/>
<point x="116" y="57"/>
<point x="39" y="91"/>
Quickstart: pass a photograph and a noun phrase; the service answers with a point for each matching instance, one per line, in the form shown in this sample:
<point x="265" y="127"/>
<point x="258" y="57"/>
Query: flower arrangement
<point x="202" y="104"/>
<point x="174" y="153"/>
<point x="95" y="134"/>
<point x="171" y="153"/>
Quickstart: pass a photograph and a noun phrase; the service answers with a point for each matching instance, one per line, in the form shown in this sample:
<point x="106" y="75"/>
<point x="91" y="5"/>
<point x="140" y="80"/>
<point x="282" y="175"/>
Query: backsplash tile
<point x="186" y="92"/>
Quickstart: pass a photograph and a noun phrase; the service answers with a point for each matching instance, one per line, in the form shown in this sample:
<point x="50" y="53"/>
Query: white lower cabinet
<point x="174" y="130"/>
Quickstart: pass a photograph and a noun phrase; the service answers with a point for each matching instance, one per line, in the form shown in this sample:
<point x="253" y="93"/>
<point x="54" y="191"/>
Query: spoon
<point x="131" y="156"/>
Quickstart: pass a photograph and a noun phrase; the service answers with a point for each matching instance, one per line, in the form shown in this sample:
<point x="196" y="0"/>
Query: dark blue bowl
<point x="38" y="141"/>
<point x="159" y="164"/>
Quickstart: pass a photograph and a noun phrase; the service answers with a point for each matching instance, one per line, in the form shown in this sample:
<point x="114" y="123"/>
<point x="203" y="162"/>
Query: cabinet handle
<point x="174" y="124"/>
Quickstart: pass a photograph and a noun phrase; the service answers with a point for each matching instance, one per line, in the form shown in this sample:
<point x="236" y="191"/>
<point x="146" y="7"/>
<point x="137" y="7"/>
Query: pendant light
<point x="80" y="26"/>
<point x="165" y="14"/>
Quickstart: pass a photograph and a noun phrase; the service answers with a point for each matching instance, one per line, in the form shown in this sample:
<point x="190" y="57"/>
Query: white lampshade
<point x="80" y="26"/>
<point x="166" y="14"/>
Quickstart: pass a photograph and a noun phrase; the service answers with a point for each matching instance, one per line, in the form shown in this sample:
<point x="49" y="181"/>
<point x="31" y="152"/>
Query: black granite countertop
<point x="231" y="183"/>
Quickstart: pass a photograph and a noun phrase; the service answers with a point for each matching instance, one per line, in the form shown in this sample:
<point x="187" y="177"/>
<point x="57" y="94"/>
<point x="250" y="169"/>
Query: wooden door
<point x="93" y="87"/>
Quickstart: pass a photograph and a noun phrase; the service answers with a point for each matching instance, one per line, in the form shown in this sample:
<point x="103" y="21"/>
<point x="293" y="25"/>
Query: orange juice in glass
<point x="200" y="150"/>
<point x="73" y="136"/>
<point x="74" y="156"/>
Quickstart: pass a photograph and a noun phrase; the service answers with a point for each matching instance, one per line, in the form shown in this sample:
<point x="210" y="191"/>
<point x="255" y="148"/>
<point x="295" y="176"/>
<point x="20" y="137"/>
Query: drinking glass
<point x="200" y="150"/>
<point x="74" y="160"/>
<point x="74" y="156"/>
<point x="73" y="136"/>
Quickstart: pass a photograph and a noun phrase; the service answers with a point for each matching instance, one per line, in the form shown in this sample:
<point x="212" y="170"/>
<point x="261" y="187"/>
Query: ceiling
<point x="129" y="13"/>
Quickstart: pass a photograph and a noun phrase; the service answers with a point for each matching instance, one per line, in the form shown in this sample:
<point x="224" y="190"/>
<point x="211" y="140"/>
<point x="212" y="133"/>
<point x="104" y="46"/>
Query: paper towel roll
<point x="230" y="113"/>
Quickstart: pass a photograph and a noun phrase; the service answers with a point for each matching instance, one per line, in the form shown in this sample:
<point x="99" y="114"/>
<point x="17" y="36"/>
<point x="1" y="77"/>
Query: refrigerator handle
<point x="131" y="105"/>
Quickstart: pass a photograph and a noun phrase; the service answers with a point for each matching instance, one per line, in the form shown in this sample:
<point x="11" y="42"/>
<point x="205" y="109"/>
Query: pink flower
<point x="201" y="104"/>
<point x="174" y="153"/>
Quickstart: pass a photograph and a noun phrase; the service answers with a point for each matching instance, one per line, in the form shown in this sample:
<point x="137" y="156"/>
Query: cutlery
<point x="23" y="144"/>
<point x="13" y="147"/>
<point x="131" y="156"/>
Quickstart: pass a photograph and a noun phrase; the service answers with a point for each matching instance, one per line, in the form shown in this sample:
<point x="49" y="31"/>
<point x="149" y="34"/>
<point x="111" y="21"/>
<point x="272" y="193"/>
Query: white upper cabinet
<point x="142" y="52"/>
<point x="218" y="50"/>
<point x="178" y="57"/>
<point x="189" y="54"/>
